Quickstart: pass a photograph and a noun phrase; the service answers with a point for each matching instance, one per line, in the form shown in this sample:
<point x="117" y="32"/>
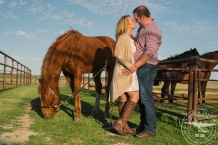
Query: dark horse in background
<point x="74" y="54"/>
<point x="168" y="76"/>
<point x="203" y="74"/>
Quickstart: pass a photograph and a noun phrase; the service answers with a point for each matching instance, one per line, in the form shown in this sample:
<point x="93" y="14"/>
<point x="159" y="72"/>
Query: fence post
<point x="12" y="73"/>
<point x="190" y="89"/>
<point x="17" y="74"/>
<point x="195" y="85"/>
<point x="20" y="74"/>
<point x="4" y="79"/>
<point x="30" y="76"/>
<point x="88" y="81"/>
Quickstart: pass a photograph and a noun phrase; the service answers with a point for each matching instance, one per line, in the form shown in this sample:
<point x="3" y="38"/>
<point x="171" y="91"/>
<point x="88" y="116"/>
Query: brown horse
<point x="74" y="54"/>
<point x="204" y="74"/>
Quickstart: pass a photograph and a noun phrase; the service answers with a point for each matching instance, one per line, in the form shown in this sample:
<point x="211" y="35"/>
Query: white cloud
<point x="35" y="8"/>
<point x="68" y="18"/>
<point x="36" y="59"/>
<point x="18" y="34"/>
<point x="22" y="2"/>
<point x="62" y="32"/>
<point x="44" y="41"/>
<point x="116" y="7"/>
<point x="81" y="21"/>
<point x="22" y="33"/>
<point x="9" y="15"/>
<point x="13" y="4"/>
<point x="43" y="31"/>
<point x="162" y="57"/>
<point x="1" y="2"/>
<point x="67" y="14"/>
<point x="18" y="58"/>
<point x="56" y="17"/>
<point x="193" y="26"/>
<point x="49" y="8"/>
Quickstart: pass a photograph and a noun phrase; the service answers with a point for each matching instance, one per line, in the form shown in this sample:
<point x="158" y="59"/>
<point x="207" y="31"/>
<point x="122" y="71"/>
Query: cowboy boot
<point x="127" y="129"/>
<point x="119" y="124"/>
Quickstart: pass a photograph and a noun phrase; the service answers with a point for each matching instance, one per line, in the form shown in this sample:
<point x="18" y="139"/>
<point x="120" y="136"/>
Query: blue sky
<point x="28" y="27"/>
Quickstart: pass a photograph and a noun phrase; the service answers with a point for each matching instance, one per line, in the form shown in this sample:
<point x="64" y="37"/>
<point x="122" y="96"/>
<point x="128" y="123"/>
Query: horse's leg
<point x="98" y="88"/>
<point x="165" y="90"/>
<point x="203" y="90"/>
<point x="77" y="85"/>
<point x="110" y="70"/>
<point x="173" y="87"/>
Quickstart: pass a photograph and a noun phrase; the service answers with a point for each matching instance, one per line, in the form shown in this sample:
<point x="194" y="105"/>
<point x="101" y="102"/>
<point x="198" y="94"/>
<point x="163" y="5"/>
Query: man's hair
<point x="142" y="10"/>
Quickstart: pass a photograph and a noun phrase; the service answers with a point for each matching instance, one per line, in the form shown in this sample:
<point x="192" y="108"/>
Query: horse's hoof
<point x="106" y="114"/>
<point x="93" y="113"/>
<point x="77" y="119"/>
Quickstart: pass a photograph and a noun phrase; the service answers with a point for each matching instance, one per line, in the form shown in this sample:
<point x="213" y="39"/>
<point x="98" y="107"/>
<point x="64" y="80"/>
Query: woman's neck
<point x="129" y="32"/>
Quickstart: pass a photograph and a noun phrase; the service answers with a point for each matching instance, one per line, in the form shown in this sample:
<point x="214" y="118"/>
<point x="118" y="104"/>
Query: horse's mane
<point x="185" y="54"/>
<point x="65" y="35"/>
<point x="60" y="39"/>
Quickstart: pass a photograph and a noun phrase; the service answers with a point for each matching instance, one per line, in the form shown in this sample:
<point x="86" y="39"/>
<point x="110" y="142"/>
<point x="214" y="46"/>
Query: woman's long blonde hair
<point x="122" y="26"/>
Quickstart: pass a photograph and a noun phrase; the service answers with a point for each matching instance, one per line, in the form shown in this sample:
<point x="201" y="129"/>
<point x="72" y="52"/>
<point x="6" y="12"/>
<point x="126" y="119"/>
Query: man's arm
<point x="142" y="60"/>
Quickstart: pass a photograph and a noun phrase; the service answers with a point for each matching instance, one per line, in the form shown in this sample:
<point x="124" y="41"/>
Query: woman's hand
<point x="128" y="71"/>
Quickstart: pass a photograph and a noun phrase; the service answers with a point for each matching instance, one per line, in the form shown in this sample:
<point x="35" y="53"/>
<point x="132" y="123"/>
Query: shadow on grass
<point x="87" y="104"/>
<point x="35" y="105"/>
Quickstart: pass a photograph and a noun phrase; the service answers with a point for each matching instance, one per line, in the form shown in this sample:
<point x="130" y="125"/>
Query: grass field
<point x="21" y="121"/>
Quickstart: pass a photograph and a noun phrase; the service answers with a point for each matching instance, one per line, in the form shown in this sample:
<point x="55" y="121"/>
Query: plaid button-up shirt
<point x="148" y="41"/>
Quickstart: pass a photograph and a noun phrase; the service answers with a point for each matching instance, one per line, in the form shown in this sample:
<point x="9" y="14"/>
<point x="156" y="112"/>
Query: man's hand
<point x="132" y="68"/>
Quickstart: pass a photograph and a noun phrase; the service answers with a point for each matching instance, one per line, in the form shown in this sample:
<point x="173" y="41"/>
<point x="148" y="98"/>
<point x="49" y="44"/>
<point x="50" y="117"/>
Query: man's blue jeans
<point x="146" y="74"/>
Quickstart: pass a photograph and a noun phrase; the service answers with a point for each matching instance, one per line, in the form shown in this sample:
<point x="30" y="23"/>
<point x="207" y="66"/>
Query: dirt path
<point x="20" y="127"/>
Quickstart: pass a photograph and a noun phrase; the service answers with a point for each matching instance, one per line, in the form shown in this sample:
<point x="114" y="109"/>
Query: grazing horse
<point x="204" y="74"/>
<point x="168" y="76"/>
<point x="75" y="54"/>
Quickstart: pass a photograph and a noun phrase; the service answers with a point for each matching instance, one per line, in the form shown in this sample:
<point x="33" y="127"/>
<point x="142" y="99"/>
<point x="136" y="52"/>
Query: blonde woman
<point x="124" y="86"/>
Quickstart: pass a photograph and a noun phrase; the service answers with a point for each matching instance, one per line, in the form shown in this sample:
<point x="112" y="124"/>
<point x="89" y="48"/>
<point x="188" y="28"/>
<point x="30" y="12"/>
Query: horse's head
<point x="195" y="53"/>
<point x="50" y="99"/>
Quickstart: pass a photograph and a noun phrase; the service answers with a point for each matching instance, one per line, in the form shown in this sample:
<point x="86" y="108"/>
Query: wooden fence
<point x="13" y="73"/>
<point x="193" y="83"/>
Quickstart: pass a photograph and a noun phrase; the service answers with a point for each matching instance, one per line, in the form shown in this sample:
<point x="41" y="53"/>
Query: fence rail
<point x="13" y="73"/>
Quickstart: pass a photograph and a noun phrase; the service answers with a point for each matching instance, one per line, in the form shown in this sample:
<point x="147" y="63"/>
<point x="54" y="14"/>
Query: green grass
<point x="91" y="130"/>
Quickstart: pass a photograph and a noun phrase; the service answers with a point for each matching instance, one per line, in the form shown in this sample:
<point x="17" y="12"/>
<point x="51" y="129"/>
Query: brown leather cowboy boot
<point x="119" y="124"/>
<point x="127" y="129"/>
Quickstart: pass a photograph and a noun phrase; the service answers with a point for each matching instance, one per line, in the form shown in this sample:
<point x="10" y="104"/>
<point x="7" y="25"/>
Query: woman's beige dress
<point x="121" y="83"/>
<point x="134" y="85"/>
